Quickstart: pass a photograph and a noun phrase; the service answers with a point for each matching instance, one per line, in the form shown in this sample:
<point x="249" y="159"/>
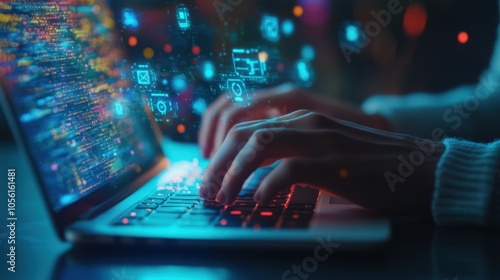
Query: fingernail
<point x="221" y="197"/>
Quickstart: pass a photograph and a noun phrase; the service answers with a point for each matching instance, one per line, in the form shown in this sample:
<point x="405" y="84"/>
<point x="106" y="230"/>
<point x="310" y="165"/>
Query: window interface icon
<point x="247" y="64"/>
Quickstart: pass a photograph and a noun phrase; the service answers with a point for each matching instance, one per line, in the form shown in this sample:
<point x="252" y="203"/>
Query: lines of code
<point x="76" y="113"/>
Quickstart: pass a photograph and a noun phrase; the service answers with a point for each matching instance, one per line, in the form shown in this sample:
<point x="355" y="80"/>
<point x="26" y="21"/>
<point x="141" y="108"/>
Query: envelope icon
<point x="143" y="77"/>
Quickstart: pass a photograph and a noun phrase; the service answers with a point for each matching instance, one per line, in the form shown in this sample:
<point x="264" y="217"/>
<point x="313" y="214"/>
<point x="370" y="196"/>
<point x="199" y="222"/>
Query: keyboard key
<point x="188" y="200"/>
<point x="204" y="213"/>
<point x="164" y="194"/>
<point x="272" y="205"/>
<point x="212" y="204"/>
<point x="164" y="209"/>
<point x="147" y="205"/>
<point x="155" y="200"/>
<point x="238" y="211"/>
<point x="267" y="212"/>
<point x="244" y="203"/>
<point x="178" y="204"/>
<point x="139" y="213"/>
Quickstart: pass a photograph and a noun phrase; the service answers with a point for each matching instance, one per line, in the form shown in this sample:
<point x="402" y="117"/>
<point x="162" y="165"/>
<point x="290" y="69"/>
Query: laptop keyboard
<point x="293" y="208"/>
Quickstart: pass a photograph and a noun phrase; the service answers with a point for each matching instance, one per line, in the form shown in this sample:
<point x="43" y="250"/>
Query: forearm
<point x="466" y="112"/>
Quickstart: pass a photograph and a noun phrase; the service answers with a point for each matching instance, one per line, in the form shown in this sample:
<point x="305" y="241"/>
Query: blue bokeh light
<point x="308" y="53"/>
<point x="304" y="72"/>
<point x="179" y="83"/>
<point x="352" y="33"/>
<point x="130" y="19"/>
<point x="288" y="27"/>
<point x="208" y="70"/>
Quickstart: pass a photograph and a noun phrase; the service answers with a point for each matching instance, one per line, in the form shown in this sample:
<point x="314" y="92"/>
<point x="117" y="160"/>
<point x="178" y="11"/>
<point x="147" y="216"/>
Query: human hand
<point x="338" y="157"/>
<point x="281" y="100"/>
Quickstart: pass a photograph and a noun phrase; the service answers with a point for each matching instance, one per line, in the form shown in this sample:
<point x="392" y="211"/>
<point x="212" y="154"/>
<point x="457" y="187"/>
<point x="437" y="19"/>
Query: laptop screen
<point x="83" y="126"/>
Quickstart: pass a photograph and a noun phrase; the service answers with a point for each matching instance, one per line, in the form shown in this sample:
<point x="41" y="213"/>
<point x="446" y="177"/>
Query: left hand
<point x="336" y="156"/>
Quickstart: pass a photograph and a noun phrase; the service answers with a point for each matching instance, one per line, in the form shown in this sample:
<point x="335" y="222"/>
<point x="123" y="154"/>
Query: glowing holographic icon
<point x="119" y="109"/>
<point x="270" y="28"/>
<point x="162" y="107"/>
<point x="237" y="88"/>
<point x="143" y="77"/>
<point x="183" y="18"/>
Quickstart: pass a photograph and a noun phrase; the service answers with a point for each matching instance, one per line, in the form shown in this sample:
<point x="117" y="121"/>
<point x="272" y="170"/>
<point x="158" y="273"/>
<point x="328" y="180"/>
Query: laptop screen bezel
<point x="113" y="191"/>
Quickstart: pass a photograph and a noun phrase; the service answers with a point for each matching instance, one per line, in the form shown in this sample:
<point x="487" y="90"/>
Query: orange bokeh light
<point x="181" y="128"/>
<point x="298" y="11"/>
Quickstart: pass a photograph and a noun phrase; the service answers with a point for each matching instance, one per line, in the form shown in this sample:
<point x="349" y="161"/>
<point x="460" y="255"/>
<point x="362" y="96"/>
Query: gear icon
<point x="162" y="107"/>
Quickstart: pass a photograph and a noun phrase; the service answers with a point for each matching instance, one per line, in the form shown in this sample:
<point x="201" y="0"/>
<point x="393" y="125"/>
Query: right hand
<point x="221" y="116"/>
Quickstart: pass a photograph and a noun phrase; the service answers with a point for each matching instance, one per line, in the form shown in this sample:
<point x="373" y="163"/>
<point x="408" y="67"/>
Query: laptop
<point x="86" y="114"/>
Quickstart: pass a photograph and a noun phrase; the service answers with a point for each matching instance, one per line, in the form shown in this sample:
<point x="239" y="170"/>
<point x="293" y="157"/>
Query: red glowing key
<point x="266" y="213"/>
<point x="124" y="221"/>
<point x="235" y="212"/>
<point x="223" y="222"/>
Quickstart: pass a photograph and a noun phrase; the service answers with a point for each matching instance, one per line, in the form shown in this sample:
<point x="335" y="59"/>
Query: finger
<point x="209" y="122"/>
<point x="220" y="163"/>
<point x="266" y="144"/>
<point x="224" y="128"/>
<point x="232" y="116"/>
<point x="220" y="118"/>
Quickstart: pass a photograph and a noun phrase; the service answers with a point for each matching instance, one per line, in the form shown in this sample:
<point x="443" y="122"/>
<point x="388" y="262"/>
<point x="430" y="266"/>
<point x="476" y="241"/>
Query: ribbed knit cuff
<point x="467" y="184"/>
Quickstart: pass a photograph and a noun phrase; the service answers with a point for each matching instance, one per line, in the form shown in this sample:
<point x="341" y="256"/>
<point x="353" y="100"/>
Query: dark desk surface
<point x="418" y="250"/>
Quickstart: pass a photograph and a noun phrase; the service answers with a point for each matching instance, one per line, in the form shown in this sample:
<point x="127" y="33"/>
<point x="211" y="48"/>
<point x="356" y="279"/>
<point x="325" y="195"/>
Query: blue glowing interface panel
<point x="83" y="124"/>
<point x="185" y="53"/>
